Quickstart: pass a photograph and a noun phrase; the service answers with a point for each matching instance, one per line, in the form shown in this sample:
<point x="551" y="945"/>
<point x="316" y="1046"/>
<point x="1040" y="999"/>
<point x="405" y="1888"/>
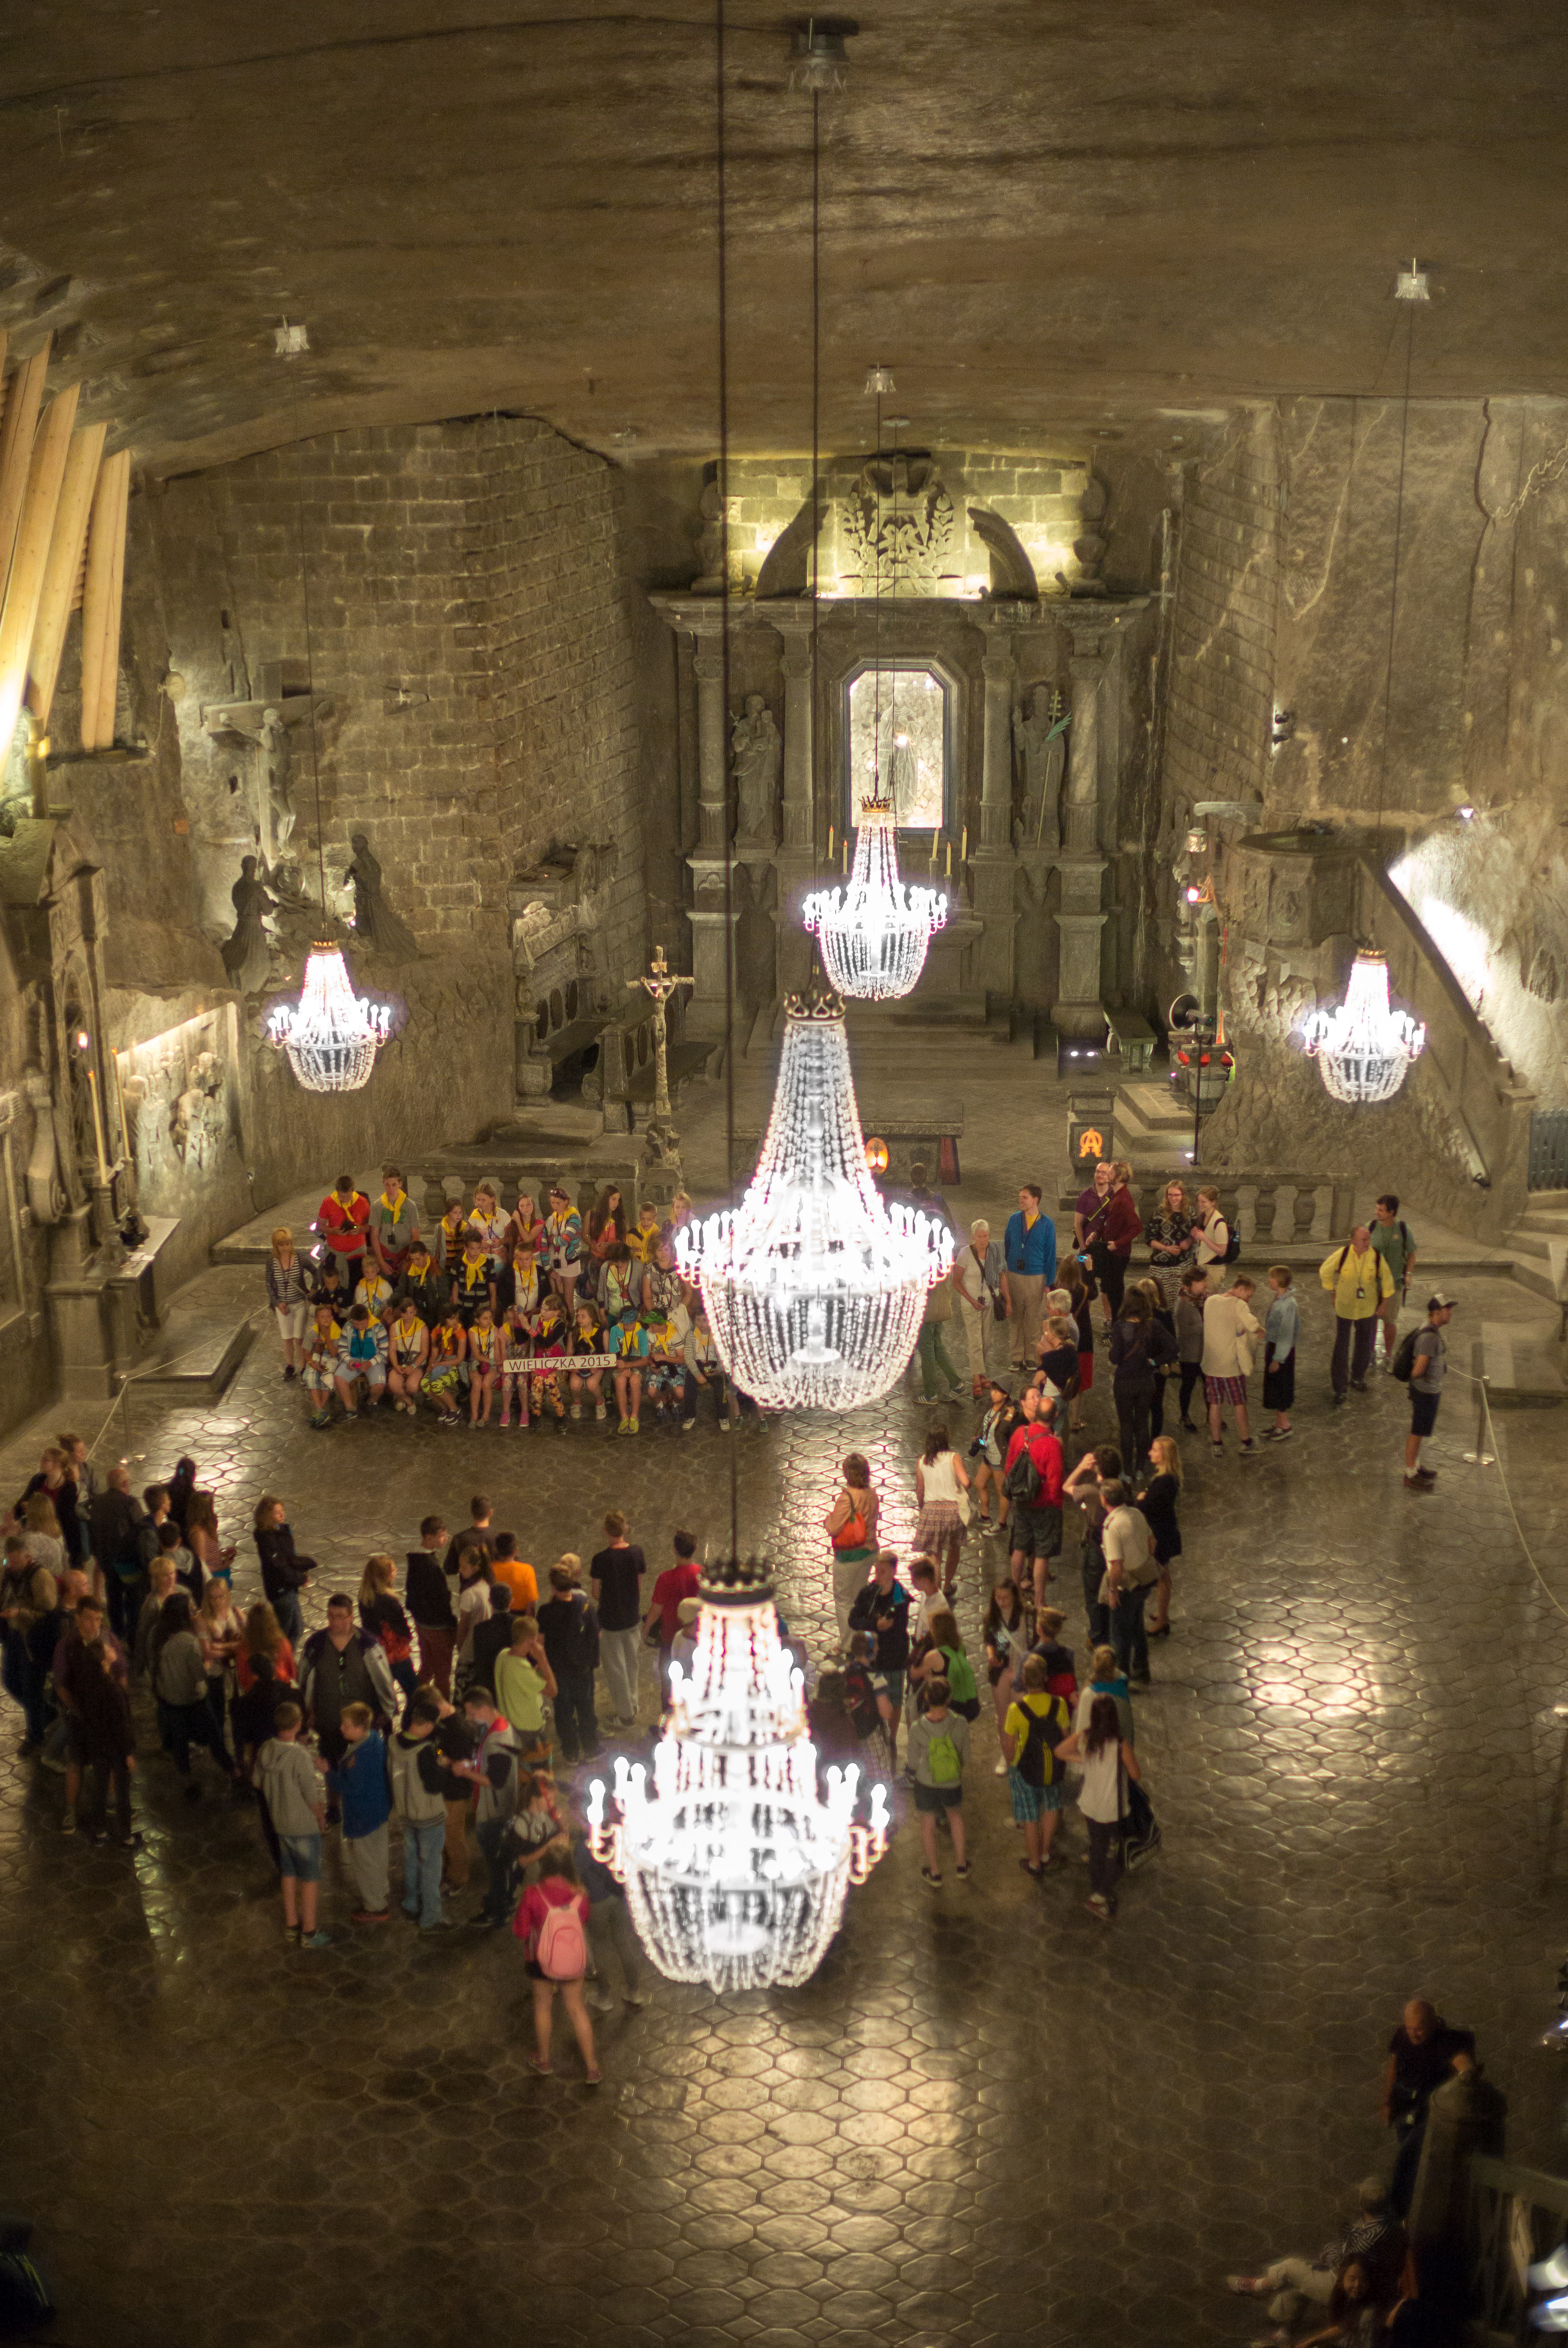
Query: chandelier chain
<point x="722" y="258"/>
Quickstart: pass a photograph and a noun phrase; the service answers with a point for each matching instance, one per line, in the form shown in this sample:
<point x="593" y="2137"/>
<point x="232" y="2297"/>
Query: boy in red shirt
<point x="677" y="1581"/>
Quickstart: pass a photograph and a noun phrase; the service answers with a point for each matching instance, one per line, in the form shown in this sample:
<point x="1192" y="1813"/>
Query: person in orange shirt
<point x="519" y="1577"/>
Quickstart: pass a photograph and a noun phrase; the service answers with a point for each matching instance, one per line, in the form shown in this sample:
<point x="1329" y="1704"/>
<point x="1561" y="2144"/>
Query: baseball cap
<point x="1442" y="1303"/>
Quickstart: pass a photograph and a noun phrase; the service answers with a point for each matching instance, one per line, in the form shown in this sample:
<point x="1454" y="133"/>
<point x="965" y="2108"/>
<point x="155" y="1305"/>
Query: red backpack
<point x="561" y="1952"/>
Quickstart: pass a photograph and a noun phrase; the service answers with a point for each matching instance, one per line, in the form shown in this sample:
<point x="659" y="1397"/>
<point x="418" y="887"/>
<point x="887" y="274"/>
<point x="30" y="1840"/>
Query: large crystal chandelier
<point x="736" y="1867"/>
<point x="1363" y="1047"/>
<point x="814" y="1285"/>
<point x="875" y="930"/>
<point x="332" y="1035"/>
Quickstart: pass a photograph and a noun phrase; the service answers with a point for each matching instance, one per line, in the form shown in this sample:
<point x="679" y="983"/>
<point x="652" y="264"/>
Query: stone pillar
<point x="1078" y="1010"/>
<point x="992" y="863"/>
<point x="713" y="750"/>
<point x="797" y="859"/>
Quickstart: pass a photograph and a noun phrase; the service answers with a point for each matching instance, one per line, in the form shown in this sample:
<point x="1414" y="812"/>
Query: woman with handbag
<point x="1109" y="1764"/>
<point x="981" y="1291"/>
<point x="851" y="1522"/>
<point x="1007" y="1638"/>
<point x="942" y="1489"/>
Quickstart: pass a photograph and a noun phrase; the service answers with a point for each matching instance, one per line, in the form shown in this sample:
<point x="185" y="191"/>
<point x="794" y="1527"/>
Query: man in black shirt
<point x="617" y="1574"/>
<point x="883" y="1607"/>
<point x="490" y="1639"/>
<point x="1422" y="2054"/>
<point x="571" y="1630"/>
<point x="479" y="1535"/>
<point x="430" y="1605"/>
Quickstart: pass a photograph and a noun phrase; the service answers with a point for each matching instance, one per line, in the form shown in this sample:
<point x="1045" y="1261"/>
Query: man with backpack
<point x="1394" y="1243"/>
<point x="1422" y="1359"/>
<point x="569" y="1628"/>
<point x="1031" y="1484"/>
<point x="1357" y="1278"/>
<point x="938" y="1748"/>
<point x="882" y="1607"/>
<point x="1035" y="1725"/>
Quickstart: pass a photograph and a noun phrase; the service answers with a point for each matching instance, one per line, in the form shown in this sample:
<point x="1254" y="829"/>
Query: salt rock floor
<point x="988" y="2119"/>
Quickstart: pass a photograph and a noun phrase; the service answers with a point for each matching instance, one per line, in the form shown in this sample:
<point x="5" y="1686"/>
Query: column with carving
<point x="797" y="857"/>
<point x="1078" y="1009"/>
<point x="991" y="861"/>
<point x="712" y="928"/>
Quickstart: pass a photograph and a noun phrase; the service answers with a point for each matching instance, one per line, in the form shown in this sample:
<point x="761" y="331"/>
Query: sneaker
<point x="1338" y="1402"/>
<point x="1101" y="1907"/>
<point x="288" y="1374"/>
<point x="1280" y="1434"/>
<point x="962" y="1872"/>
<point x="371" y="1916"/>
<point x="505" y="1415"/>
<point x="1249" y="2286"/>
<point x="1036" y="1871"/>
<point x="1428" y="1474"/>
<point x="724" y="1426"/>
<point x="129" y="1841"/>
<point x="576" y="1410"/>
<point x="96" y="1835"/>
<point x="1218" y="1449"/>
<point x="626" y="1426"/>
<point x="601" y="1410"/>
<point x="1248" y="1449"/>
<point x="637" y="1427"/>
<point x="600" y="2004"/>
<point x="442" y="1924"/>
<point x="315" y="1939"/>
<point x="68" y="1821"/>
<point x="1358" y="1385"/>
<point x="1417" y="1484"/>
<point x="635" y="2000"/>
<point x="322" y="1418"/>
<point x="929" y="1876"/>
<point x="292" y="1934"/>
<point x="687" y="1424"/>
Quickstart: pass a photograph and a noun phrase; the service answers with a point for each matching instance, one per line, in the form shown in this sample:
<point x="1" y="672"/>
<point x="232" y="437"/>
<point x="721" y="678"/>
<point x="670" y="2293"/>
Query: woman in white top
<point x="487" y="1219"/>
<point x="940" y="1481"/>
<point x="979" y="1277"/>
<point x="1211" y="1234"/>
<point x="1107" y="1758"/>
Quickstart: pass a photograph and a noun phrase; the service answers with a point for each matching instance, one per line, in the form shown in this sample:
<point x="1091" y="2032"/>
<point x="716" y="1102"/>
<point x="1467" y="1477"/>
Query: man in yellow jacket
<point x="1359" y="1280"/>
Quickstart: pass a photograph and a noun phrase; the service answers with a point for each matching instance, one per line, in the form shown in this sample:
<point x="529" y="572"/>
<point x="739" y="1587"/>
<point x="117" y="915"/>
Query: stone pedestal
<point x="1078" y="1009"/>
<point x="705" y="1013"/>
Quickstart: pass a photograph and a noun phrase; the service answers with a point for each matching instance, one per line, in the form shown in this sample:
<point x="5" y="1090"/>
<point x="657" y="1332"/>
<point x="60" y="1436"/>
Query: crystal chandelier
<point x="736" y="1867"/>
<point x="875" y="930"/>
<point x="332" y="1035"/>
<point x="815" y="1286"/>
<point x="1362" y="1047"/>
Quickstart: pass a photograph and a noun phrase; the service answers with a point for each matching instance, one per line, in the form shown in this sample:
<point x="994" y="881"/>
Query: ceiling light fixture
<point x="818" y="60"/>
<point x="736" y="1867"/>
<point x="1363" y="1046"/>
<point x="815" y="1286"/>
<point x="874" y="932"/>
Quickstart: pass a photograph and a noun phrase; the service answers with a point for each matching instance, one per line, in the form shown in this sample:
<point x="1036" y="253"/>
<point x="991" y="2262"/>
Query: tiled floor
<point x="988" y="2119"/>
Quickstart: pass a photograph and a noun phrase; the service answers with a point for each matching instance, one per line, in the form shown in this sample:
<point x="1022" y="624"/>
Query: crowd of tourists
<point x="532" y="1316"/>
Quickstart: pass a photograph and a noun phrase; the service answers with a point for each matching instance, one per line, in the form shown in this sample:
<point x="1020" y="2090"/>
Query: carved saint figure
<point x="246" y="952"/>
<point x="374" y="919"/>
<point x="1042" y="752"/>
<point x="234" y="665"/>
<point x="758" y="756"/>
<point x="277" y="756"/>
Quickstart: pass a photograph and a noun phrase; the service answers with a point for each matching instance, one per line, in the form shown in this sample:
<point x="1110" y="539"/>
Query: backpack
<point x="1037" y="1763"/>
<point x="1232" y="1244"/>
<point x="942" y="1760"/>
<point x="562" y="1953"/>
<point x="1403" y="1365"/>
<point x="1021" y="1482"/>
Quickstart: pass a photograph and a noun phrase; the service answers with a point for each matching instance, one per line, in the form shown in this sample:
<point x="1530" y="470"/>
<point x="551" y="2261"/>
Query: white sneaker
<point x="1000" y="1771"/>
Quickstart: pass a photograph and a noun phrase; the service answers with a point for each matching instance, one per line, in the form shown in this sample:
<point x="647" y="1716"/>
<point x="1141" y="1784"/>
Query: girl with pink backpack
<point x="551" y="1922"/>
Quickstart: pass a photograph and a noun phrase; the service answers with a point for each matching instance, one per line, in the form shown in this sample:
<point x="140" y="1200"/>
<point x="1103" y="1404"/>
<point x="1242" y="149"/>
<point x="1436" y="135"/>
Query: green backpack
<point x="963" y="1693"/>
<point x="942" y="1760"/>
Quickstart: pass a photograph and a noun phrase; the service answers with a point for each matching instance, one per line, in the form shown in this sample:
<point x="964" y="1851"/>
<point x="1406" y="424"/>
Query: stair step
<point x="208" y="1329"/>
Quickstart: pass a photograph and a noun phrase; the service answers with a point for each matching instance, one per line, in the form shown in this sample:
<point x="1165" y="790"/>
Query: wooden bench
<point x="1132" y="1037"/>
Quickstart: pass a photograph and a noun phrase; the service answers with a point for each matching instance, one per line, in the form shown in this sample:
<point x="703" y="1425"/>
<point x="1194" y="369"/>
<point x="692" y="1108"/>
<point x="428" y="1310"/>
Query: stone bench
<point x="1133" y="1039"/>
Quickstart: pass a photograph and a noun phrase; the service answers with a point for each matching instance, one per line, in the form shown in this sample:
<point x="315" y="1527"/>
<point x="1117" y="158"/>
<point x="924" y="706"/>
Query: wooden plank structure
<point x="63" y="567"/>
<point x="101" y="599"/>
<point x="25" y="587"/>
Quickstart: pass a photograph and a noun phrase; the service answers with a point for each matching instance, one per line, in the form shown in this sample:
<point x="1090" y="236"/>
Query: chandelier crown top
<point x="736" y="1581"/>
<point x="820" y="1004"/>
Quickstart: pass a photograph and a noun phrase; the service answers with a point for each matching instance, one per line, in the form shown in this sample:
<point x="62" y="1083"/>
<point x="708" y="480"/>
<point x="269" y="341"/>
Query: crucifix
<point x="268" y="723"/>
<point x="660" y="984"/>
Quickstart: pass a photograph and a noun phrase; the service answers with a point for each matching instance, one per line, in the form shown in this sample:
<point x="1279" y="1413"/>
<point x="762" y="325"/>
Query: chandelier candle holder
<point x="874" y="932"/>
<point x="1363" y="1046"/>
<point x="736" y="1867"/>
<point x="332" y="1035"/>
<point x="815" y="1286"/>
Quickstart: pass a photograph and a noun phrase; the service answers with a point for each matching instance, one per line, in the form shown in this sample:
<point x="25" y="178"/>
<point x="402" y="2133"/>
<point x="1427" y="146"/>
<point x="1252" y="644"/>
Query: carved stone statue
<point x="758" y="752"/>
<point x="374" y="920"/>
<point x="897" y="524"/>
<point x="234" y="665"/>
<point x="1042" y="745"/>
<point x="709" y="579"/>
<point x="277" y="759"/>
<point x="248" y="952"/>
<point x="1091" y="549"/>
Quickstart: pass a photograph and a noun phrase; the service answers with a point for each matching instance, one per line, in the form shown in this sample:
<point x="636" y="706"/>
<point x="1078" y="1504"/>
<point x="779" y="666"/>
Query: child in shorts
<point x="937" y="1747"/>
<point x="296" y="1806"/>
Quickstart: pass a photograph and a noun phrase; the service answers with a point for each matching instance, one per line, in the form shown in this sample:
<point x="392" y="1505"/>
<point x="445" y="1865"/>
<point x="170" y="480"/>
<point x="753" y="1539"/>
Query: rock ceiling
<point x="1047" y="219"/>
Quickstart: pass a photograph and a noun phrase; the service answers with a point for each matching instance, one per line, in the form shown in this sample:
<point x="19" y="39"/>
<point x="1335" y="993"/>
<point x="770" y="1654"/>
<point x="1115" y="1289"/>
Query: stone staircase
<point x="1539" y="1245"/>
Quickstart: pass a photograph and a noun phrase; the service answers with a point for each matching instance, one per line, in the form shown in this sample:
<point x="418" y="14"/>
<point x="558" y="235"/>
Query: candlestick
<point x="119" y="1097"/>
<point x="831" y="851"/>
<point x="846" y="858"/>
<point x="98" y="1129"/>
<point x="934" y="846"/>
<point x="964" y="851"/>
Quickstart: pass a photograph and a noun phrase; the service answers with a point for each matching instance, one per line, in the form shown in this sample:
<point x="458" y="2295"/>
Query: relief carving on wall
<point x="180" y="1109"/>
<point x="898" y="525"/>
